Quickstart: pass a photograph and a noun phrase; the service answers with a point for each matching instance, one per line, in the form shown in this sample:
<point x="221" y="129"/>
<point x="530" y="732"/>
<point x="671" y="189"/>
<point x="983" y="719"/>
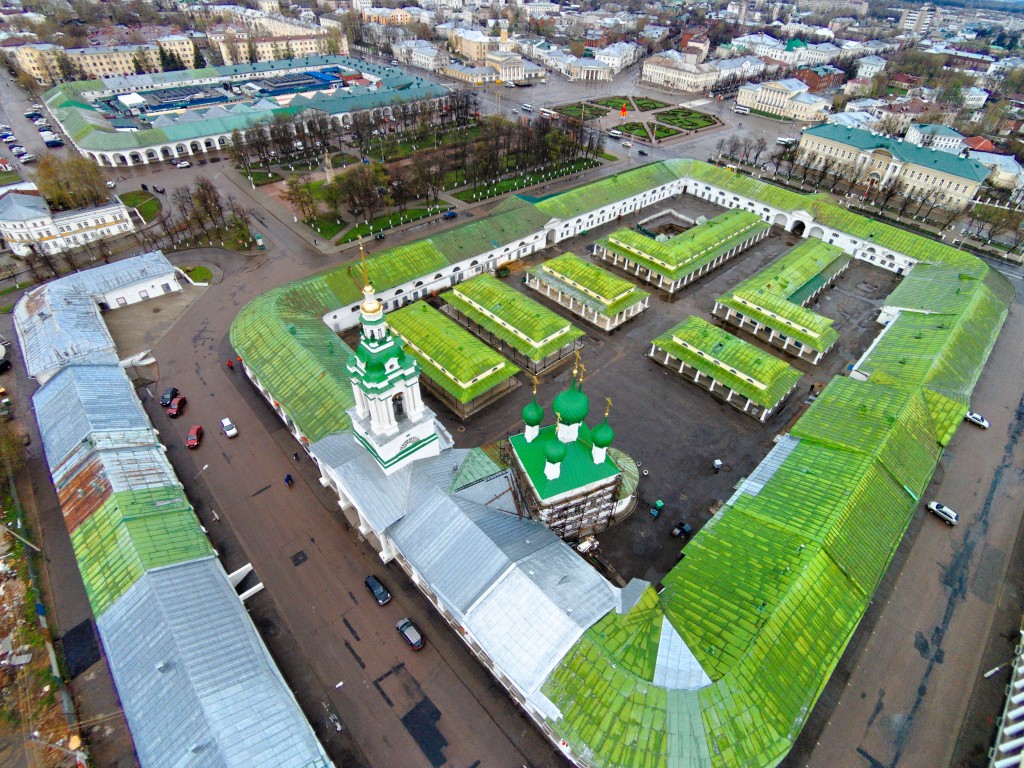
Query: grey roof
<point x="506" y="578"/>
<point x="16" y="206"/>
<point x="82" y="400"/>
<point x="196" y="682"/>
<point x="59" y="323"/>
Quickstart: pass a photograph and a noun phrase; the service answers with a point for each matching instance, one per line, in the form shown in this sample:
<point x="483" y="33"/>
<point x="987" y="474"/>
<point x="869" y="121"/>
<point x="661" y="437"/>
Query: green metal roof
<point x="942" y="162"/>
<point x="281" y="336"/>
<point x="744" y="368"/>
<point x="134" y="531"/>
<point x="774" y="296"/>
<point x="518" y="320"/>
<point x="577" y="468"/>
<point x="689" y="251"/>
<point x="450" y="355"/>
<point x="595" y="288"/>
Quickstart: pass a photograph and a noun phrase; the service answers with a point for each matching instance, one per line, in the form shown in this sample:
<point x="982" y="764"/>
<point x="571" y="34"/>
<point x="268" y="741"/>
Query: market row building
<point x="634" y="676"/>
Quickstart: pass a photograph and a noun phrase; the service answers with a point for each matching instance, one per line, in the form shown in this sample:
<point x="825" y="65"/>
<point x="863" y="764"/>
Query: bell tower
<point x="389" y="418"/>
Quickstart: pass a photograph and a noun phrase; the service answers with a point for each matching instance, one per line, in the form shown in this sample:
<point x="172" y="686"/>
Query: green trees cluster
<point x="71" y="182"/>
<point x="170" y="61"/>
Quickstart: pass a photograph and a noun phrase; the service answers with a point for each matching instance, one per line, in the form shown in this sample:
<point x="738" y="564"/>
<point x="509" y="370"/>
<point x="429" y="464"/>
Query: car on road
<point x="944" y="513"/>
<point x="377" y="589"/>
<point x="169" y="394"/>
<point x="450" y="214"/>
<point x="161" y="190"/>
<point x="177" y="407"/>
<point x="627" y="144"/>
<point x="111" y="184"/>
<point x="410" y="632"/>
<point x="641" y="152"/>
<point x="228" y="428"/>
<point x="977" y="418"/>
<point x="183" y="164"/>
<point x="195" y="436"/>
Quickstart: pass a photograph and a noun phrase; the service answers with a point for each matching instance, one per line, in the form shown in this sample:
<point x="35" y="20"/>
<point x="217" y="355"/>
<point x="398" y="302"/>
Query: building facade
<point x="955" y="180"/>
<point x="27" y="224"/>
<point x="821" y="78"/>
<point x="790" y="99"/>
<point x="42" y="60"/>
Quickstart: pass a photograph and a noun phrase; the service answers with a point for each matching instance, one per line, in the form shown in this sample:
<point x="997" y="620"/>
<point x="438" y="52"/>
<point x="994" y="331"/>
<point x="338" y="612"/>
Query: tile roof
<point x="597" y="289"/>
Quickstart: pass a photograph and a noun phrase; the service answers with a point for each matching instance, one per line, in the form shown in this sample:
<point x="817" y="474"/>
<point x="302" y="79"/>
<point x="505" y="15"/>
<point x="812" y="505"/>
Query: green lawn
<point x="615" y="103"/>
<point x="329" y="226"/>
<point x="259" y="178"/>
<point x="525" y="180"/>
<point x="9" y="177"/>
<point x="146" y="204"/>
<point x="580" y="110"/>
<point x="608" y="156"/>
<point x="686" y="119"/>
<point x="635" y="129"/>
<point x="198" y="274"/>
<point x="387" y="221"/>
<point x="646" y="105"/>
<point x="664" y="132"/>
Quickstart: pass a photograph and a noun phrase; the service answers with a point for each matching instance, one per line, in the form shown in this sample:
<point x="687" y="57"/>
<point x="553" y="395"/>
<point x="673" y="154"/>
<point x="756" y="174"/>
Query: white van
<point x="527" y="108"/>
<point x="615" y="134"/>
<point x="741" y="110"/>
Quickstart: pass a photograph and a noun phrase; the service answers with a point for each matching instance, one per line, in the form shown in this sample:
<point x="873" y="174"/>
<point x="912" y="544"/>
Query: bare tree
<point x="760" y="145"/>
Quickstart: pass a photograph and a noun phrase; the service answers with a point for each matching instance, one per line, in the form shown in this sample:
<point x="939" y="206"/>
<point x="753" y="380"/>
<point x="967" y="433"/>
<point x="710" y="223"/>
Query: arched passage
<point x="780" y="220"/>
<point x="817" y="232"/>
<point x="798" y="227"/>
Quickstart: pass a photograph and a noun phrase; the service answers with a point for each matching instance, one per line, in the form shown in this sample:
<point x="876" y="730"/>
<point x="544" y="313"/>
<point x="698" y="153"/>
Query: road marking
<point x="350" y="627"/>
<point x="359" y="661"/>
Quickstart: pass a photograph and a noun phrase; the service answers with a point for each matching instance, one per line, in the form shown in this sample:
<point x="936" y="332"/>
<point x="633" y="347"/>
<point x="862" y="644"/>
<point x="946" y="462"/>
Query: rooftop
<point x="595" y="288"/>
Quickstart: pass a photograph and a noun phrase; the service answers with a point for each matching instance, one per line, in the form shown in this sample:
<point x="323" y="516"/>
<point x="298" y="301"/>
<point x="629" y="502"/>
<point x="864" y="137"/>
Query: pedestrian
<point x="231" y="365"/>
<point x="288" y="480"/>
<point x="295" y="455"/>
<point x="314" y="241"/>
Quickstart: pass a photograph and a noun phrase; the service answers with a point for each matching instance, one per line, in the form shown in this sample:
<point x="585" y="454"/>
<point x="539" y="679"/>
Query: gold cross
<point x="608" y="408"/>
<point x="533" y="377"/>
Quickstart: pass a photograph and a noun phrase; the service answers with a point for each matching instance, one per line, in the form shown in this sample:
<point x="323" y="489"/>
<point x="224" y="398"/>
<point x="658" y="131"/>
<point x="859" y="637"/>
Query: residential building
<point x="671" y="69"/>
<point x="392" y="17"/>
<point x="790" y="99"/>
<point x="1007" y="173"/>
<point x="620" y="55"/>
<point x="274" y="48"/>
<point x="858" y="86"/>
<point x="472" y="75"/>
<point x="821" y="78"/>
<point x="940" y="137"/>
<point x="955" y="180"/>
<point x="900" y="113"/>
<point x="863" y="120"/>
<point x="974" y="98"/>
<point x="40" y="60"/>
<point x="27" y="224"/>
<point x="419" y="53"/>
<point x="917" y="21"/>
<point x="869" y="66"/>
<point x="473" y="44"/>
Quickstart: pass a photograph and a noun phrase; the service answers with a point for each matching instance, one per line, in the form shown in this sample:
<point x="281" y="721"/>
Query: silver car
<point x="944" y="513"/>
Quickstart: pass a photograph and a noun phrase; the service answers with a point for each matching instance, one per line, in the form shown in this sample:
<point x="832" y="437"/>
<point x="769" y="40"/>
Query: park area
<point x="633" y="104"/>
<point x="582" y="111"/>
<point x="144" y="202"/>
<point x="686" y="119"/>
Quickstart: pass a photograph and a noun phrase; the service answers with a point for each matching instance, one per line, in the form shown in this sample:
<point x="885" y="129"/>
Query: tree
<point x="72" y="182"/>
<point x="890" y="126"/>
<point x="760" y="145"/>
<point x="198" y="60"/>
<point x="208" y="200"/>
<point x="362" y="186"/>
<point x="139" y="62"/>
<point x="68" y="69"/>
<point x="299" y="194"/>
<point x="230" y="48"/>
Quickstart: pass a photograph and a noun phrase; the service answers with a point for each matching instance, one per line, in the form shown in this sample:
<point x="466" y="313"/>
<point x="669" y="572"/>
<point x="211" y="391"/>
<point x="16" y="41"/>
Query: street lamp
<point x="205" y="467"/>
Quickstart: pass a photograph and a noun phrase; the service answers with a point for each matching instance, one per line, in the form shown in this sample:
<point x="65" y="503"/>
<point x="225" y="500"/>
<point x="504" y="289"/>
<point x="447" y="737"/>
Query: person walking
<point x="288" y="480"/>
<point x="231" y="365"/>
<point x="295" y="455"/>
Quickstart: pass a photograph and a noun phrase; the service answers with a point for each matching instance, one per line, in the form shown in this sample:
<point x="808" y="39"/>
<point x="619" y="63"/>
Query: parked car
<point x="177" y="407"/>
<point x="183" y="164"/>
<point x="627" y="144"/>
<point x="411" y="633"/>
<point x="977" y="418"/>
<point x="29" y="158"/>
<point x="228" y="428"/>
<point x="10" y="140"/>
<point x="169" y="394"/>
<point x="161" y="190"/>
<point x="17" y="150"/>
<point x="944" y="513"/>
<point x="379" y="236"/>
<point x="380" y="594"/>
<point x="450" y="214"/>
<point x="5" y="365"/>
<point x="111" y="184"/>
<point x="195" y="436"/>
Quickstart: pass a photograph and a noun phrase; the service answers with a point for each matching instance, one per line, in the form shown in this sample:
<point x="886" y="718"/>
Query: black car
<point x="169" y="394"/>
<point x="5" y="365"/>
<point x="410" y="633"/>
<point x="379" y="592"/>
<point x="641" y="152"/>
<point x="379" y="236"/>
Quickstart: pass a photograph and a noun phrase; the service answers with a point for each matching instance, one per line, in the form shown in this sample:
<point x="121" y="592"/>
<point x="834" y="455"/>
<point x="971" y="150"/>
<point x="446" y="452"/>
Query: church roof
<point x="578" y="468"/>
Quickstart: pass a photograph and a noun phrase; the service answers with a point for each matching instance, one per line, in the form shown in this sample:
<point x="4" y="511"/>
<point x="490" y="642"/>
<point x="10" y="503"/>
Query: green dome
<point x="554" y="451"/>
<point x="572" y="405"/>
<point x="533" y="414"/>
<point x="603" y="434"/>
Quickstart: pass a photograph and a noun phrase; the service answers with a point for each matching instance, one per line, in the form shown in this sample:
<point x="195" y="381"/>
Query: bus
<point x="549" y="113"/>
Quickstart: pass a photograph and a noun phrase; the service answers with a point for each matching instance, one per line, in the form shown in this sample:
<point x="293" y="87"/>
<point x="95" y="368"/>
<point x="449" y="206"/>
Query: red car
<point x="195" y="435"/>
<point x="176" y="407"/>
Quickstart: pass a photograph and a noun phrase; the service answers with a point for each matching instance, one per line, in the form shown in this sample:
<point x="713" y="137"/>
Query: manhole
<point x="299" y="558"/>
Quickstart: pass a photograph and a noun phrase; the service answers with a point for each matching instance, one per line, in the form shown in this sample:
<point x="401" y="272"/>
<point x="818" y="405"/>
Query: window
<point x="143" y="294"/>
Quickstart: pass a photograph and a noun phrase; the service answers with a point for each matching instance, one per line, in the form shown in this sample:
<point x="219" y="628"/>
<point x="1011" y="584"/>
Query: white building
<point x="419" y="53"/>
<point x="940" y="137"/>
<point x="26" y="222"/>
<point x="618" y="56"/>
<point x="787" y="98"/>
<point x="870" y="66"/>
<point x="974" y="98"/>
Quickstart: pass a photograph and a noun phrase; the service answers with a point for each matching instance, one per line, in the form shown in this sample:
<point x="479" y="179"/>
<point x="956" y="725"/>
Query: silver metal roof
<point x="676" y="666"/>
<point x="59" y="323"/>
<point x="197" y="684"/>
<point x="16" y="206"/>
<point x="82" y="400"/>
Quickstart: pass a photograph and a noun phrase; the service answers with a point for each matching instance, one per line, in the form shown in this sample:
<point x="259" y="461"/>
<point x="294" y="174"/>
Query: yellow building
<point x="41" y="61"/>
<point x="394" y="17"/>
<point x="275" y="48"/>
<point x="789" y="98"/>
<point x="955" y="180"/>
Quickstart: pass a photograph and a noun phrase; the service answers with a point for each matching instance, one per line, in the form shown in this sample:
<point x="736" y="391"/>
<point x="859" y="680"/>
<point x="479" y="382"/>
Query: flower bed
<point x="686" y="119"/>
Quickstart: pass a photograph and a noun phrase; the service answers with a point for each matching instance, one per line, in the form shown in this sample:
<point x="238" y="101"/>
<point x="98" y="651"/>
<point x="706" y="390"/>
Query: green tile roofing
<point x="518" y="320"/>
<point x="925" y="157"/>
<point x="773" y="587"/>
<point x="690" y="251"/>
<point x="774" y="296"/>
<point x="577" y="468"/>
<point x="451" y="356"/>
<point x="131" y="533"/>
<point x="597" y="289"/>
<point x="757" y="375"/>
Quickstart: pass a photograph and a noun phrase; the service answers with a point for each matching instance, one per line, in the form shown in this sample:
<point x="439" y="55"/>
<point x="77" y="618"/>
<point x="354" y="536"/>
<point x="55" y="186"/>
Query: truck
<point x="51" y="139"/>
